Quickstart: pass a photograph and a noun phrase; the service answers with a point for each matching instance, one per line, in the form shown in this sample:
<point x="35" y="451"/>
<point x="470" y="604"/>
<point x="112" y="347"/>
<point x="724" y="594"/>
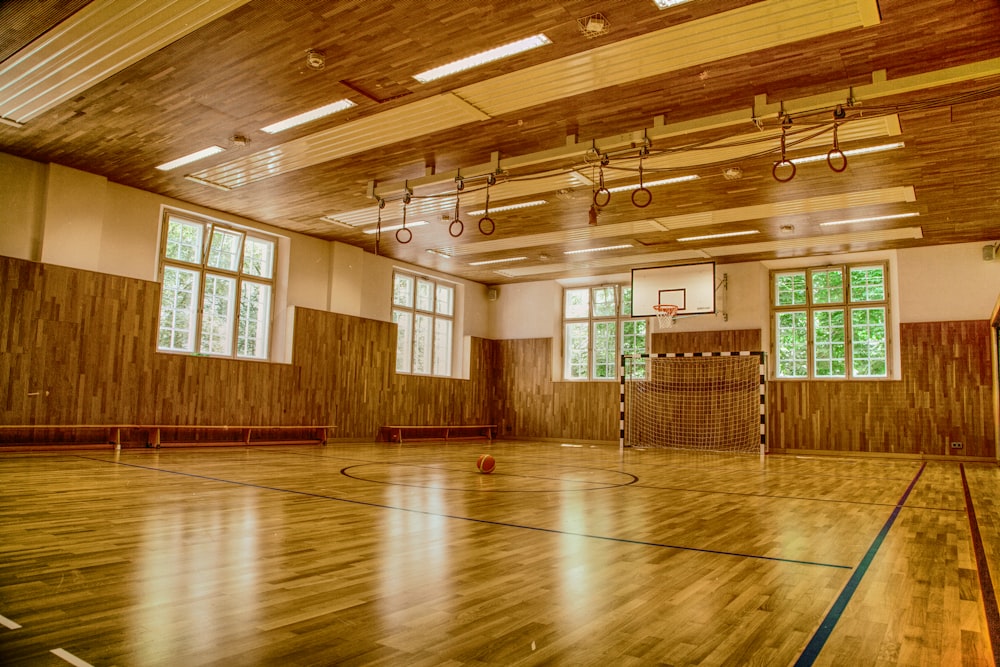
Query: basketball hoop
<point x="665" y="314"/>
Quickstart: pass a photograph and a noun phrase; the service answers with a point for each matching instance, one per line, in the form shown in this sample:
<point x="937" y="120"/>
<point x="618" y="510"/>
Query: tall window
<point x="424" y="312"/>
<point x="597" y="330"/>
<point x="218" y="283"/>
<point x="831" y="322"/>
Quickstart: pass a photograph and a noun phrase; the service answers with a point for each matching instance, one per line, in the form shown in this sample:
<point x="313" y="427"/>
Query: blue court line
<point x="822" y="633"/>
<point x="504" y="524"/>
<point x="983" y="568"/>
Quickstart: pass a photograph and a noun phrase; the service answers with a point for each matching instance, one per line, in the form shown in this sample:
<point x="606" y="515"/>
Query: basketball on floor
<point x="485" y="464"/>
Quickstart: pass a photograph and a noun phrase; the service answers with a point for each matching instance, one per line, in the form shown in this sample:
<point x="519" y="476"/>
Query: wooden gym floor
<point x="369" y="554"/>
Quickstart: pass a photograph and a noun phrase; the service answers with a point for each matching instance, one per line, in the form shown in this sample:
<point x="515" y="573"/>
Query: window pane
<point x="425" y="295"/>
<point x="603" y="299"/>
<point x="442" y="346"/>
<point x="869" y="356"/>
<point x="626" y="302"/>
<point x="184" y="240"/>
<point x="219" y="301"/>
<point x="634" y="342"/>
<point x="224" y="252"/>
<point x="444" y="304"/>
<point x="605" y="357"/>
<point x="792" y="332"/>
<point x="404" y="339"/>
<point x="255" y="320"/>
<point x="402" y="290"/>
<point x="422" y="328"/>
<point x="867" y="283"/>
<point x="790" y="289"/>
<point x="828" y="343"/>
<point x="178" y="309"/>
<point x="258" y="257"/>
<point x="577" y="303"/>
<point x="828" y="286"/>
<point x="577" y="350"/>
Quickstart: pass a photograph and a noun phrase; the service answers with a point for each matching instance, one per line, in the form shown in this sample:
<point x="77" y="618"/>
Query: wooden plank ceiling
<point x="702" y="91"/>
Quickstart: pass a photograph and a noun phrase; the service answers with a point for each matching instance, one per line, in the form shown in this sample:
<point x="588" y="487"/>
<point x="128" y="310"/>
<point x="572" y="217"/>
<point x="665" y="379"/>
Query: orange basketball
<point x="485" y="464"/>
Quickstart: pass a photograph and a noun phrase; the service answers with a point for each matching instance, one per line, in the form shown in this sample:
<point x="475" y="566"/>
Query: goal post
<point x="701" y="401"/>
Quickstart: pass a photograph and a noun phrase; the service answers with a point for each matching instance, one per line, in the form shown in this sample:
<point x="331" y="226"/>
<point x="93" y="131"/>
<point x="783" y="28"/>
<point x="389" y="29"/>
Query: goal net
<point x="711" y="401"/>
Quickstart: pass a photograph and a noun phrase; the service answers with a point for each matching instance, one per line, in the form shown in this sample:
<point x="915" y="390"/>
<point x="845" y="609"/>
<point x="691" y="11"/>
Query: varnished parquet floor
<point x="376" y="554"/>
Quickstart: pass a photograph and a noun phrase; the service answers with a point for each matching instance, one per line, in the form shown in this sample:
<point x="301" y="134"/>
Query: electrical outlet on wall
<point x="956" y="445"/>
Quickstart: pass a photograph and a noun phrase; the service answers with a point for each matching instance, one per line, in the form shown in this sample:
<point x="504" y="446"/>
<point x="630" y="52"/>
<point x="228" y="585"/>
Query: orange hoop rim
<point x="665" y="309"/>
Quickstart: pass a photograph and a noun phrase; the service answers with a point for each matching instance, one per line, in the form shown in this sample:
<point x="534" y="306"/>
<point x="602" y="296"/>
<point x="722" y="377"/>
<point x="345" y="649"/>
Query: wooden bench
<point x="33" y="437"/>
<point x="439" y="432"/>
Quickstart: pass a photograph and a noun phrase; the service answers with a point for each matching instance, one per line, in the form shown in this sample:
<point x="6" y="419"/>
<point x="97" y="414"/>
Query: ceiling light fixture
<point x="666" y="4"/>
<point x="439" y="253"/>
<point x="510" y="207"/>
<point x="602" y="249"/>
<point x="190" y="157"/>
<point x="662" y="181"/>
<point x="719" y="236"/>
<point x="854" y="151"/>
<point x="876" y="218"/>
<point x="507" y="50"/>
<point x="498" y="261"/>
<point x="392" y="228"/>
<point x="308" y="116"/>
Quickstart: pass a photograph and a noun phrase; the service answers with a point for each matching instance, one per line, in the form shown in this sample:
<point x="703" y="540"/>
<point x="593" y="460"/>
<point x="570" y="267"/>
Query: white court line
<point x="9" y="624"/>
<point x="70" y="658"/>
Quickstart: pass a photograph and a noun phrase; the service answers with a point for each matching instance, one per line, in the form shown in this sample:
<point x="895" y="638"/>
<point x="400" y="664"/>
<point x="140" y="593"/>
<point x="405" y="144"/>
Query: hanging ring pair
<point x="403" y="232"/>
<point x="486" y="222"/>
<point x="835" y="152"/>
<point x="645" y="197"/>
<point x="603" y="196"/>
<point x="783" y="162"/>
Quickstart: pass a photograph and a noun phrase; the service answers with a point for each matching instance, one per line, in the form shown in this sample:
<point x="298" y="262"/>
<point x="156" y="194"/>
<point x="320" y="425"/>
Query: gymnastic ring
<point x="606" y="196"/>
<point x="829" y="159"/>
<point x="408" y="238"/>
<point x="493" y="226"/>
<point x="451" y="228"/>
<point x="649" y="198"/>
<point x="774" y="170"/>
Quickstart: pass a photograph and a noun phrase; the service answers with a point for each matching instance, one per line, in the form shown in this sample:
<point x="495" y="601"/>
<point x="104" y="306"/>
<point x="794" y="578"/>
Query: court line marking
<point x="552" y="531"/>
<point x="9" y="624"/>
<point x="70" y="658"/>
<point x="983" y="568"/>
<point x="825" y="629"/>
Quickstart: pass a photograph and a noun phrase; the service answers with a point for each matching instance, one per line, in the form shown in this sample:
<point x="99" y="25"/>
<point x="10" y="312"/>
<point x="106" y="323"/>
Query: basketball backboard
<point x="690" y="287"/>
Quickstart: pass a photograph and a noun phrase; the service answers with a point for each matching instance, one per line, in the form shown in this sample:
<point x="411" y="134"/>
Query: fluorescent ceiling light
<point x="308" y="116"/>
<point x="665" y="4"/>
<point x="190" y="157"/>
<point x="511" y="207"/>
<point x="439" y="253"/>
<point x="871" y="219"/>
<point x="650" y="184"/>
<point x="607" y="247"/>
<point x="719" y="236"/>
<point x="852" y="152"/>
<point x="498" y="261"/>
<point x="392" y="228"/>
<point x="497" y="53"/>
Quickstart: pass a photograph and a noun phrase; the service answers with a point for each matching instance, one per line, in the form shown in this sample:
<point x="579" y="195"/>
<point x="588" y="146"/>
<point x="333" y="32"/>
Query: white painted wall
<point x="947" y="283"/>
<point x="22" y="207"/>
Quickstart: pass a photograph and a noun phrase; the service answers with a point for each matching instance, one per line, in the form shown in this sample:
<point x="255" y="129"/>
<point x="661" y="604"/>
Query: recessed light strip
<point x="498" y="261"/>
<point x="719" y="236"/>
<point x="850" y="153"/>
<point x="309" y="116"/>
<point x="392" y="228"/>
<point x="510" y="207"/>
<point x="876" y="218"/>
<point x="505" y="51"/>
<point x="653" y="184"/>
<point x="190" y="157"/>
<point x="602" y="249"/>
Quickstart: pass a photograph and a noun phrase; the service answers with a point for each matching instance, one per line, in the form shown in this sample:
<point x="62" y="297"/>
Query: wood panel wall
<point x="88" y="339"/>
<point x="84" y="342"/>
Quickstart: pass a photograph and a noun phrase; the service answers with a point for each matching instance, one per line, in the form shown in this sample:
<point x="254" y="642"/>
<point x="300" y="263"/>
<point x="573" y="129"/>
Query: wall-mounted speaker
<point x="989" y="253"/>
<point x="493" y="293"/>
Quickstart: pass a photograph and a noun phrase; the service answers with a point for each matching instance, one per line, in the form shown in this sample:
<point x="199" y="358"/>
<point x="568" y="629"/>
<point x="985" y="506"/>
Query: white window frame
<point x="582" y="362"/>
<point x="429" y="306"/>
<point x="235" y="324"/>
<point x="813" y="309"/>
